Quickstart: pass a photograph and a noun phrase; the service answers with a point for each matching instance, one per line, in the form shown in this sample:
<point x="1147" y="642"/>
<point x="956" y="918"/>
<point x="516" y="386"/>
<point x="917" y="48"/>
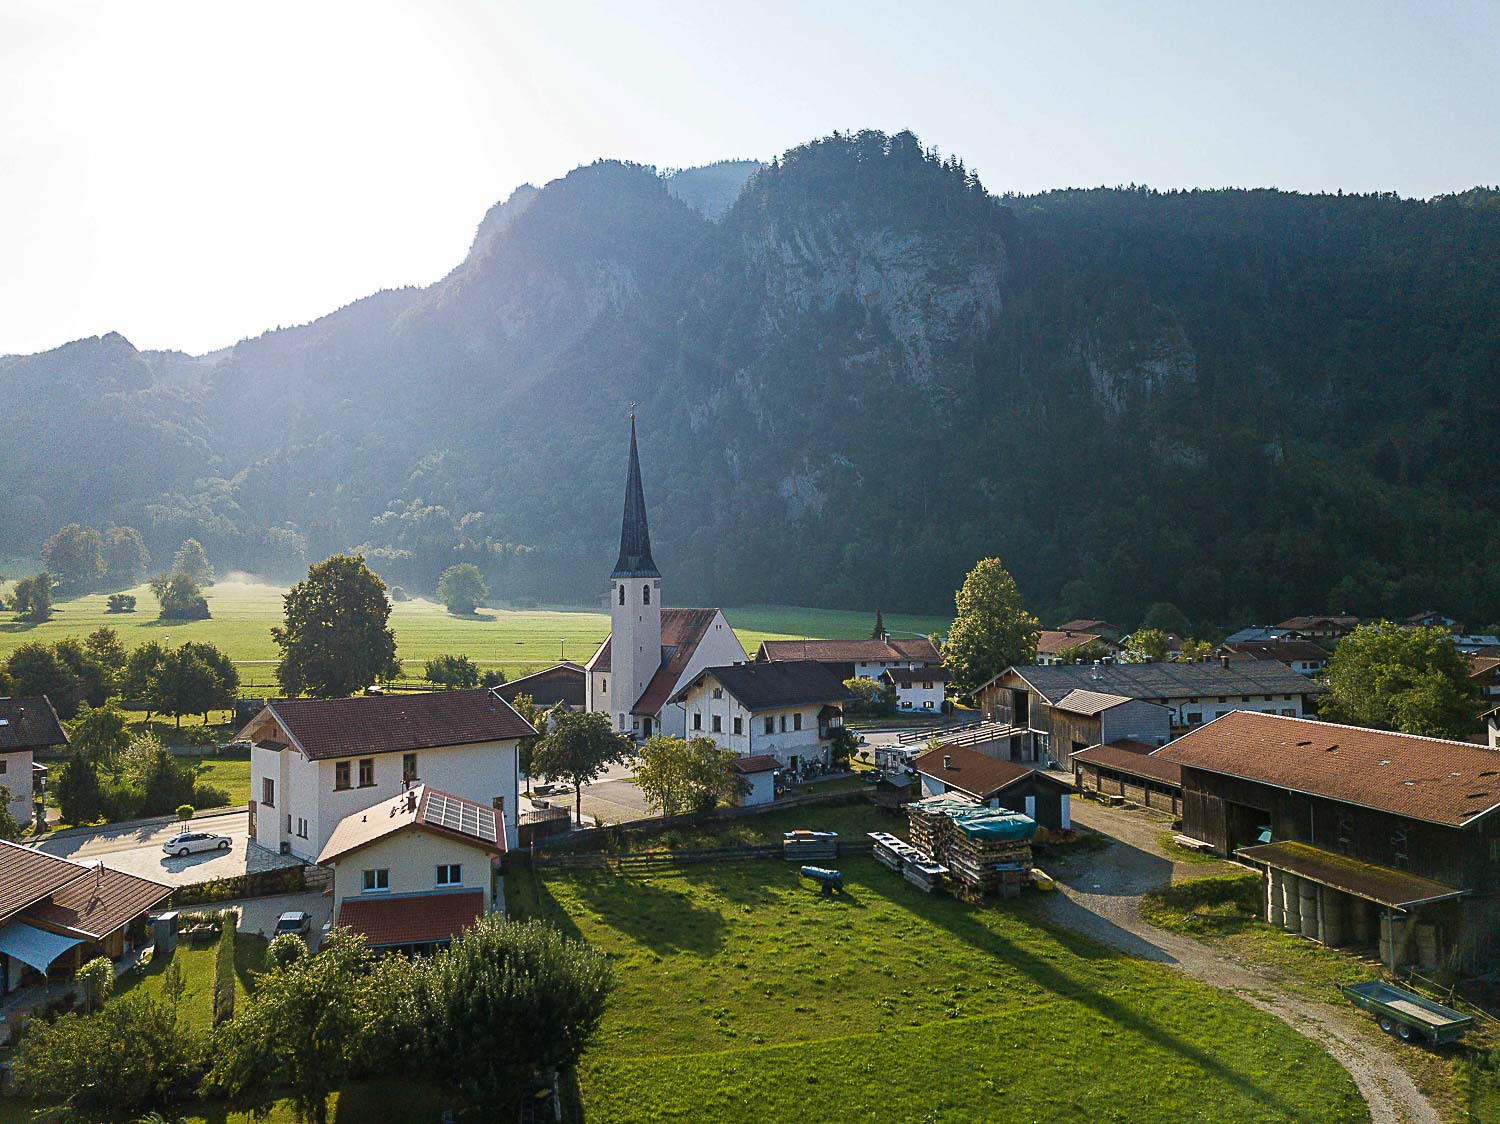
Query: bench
<point x="1188" y="843"/>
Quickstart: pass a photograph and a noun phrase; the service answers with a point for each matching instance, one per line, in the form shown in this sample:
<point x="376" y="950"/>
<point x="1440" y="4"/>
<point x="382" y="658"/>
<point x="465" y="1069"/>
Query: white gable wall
<point x="15" y="775"/>
<point x="412" y="857"/>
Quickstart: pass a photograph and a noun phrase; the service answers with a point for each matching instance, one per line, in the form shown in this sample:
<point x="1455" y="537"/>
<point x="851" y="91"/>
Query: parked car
<point x="294" y="921"/>
<point x="187" y="842"/>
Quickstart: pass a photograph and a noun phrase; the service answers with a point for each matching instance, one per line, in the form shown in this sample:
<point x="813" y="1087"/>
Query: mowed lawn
<point x="744" y="995"/>
<point x="517" y="641"/>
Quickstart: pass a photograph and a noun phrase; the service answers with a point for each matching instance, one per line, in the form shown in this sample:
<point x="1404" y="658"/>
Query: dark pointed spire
<point x="635" y="538"/>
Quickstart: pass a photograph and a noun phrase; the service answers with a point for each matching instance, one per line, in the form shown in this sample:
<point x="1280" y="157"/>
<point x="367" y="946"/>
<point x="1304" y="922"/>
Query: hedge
<point x="263" y="883"/>
<point x="224" y="969"/>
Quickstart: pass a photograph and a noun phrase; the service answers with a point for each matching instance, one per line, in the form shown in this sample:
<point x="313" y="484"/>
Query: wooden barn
<point x="1133" y="771"/>
<point x="1364" y="836"/>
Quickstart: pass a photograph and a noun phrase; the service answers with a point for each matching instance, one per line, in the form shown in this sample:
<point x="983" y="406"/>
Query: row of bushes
<point x="143" y="780"/>
<point x="224" y="969"/>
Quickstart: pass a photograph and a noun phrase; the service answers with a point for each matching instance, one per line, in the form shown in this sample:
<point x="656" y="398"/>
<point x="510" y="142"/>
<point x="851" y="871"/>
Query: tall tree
<point x="31" y="599"/>
<point x="992" y="630"/>
<point x="538" y="718"/>
<point x="125" y="557"/>
<point x="335" y="639"/>
<point x="138" y="683"/>
<point x="93" y="677"/>
<point x="192" y="560"/>
<point x="578" y="749"/>
<point x="194" y="678"/>
<point x="878" y="632"/>
<point x="1393" y="678"/>
<point x="106" y="649"/>
<point x="35" y="669"/>
<point x="508" y="1000"/>
<point x="462" y="588"/>
<point x="74" y="557"/>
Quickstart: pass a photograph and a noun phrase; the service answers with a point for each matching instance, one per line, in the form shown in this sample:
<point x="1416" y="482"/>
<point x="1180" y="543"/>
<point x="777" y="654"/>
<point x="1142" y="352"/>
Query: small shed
<point x="759" y="772"/>
<point x="997" y="784"/>
<point x="1131" y="770"/>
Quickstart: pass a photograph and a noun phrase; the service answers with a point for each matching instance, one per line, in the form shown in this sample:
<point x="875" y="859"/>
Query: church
<point x="651" y="653"/>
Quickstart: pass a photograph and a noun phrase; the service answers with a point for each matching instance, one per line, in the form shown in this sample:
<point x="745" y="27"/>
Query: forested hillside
<point x="862" y="375"/>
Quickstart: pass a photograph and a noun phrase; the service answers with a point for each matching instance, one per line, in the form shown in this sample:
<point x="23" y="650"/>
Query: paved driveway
<point x="137" y="850"/>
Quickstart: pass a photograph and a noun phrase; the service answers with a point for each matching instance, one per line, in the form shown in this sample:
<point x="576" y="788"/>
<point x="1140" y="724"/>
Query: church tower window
<point x="622" y="593"/>
<point x="645" y="595"/>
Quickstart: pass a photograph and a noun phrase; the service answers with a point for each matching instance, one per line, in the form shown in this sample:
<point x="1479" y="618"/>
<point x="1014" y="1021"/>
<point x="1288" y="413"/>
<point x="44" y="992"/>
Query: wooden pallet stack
<point x="916" y="866"/>
<point x="810" y="846"/>
<point x="930" y="821"/>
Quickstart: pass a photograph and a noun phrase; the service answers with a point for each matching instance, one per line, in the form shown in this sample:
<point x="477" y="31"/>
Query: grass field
<point x="517" y="641"/>
<point x="745" y="995"/>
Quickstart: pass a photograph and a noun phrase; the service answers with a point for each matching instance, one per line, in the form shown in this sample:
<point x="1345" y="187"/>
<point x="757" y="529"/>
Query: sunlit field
<point x="516" y="641"/>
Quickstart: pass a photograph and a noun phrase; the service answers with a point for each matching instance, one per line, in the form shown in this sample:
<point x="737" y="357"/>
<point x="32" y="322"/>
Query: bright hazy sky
<point x="192" y="173"/>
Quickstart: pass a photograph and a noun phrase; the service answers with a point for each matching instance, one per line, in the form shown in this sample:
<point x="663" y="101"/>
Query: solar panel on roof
<point x="461" y="816"/>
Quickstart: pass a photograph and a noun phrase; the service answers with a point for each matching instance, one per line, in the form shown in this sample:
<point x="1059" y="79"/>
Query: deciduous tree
<point x="35" y="669"/>
<point x="453" y="672"/>
<point x="510" y="999"/>
<point x="462" y="588"/>
<point x="678" y="775"/>
<point x="125" y="557"/>
<point x="1393" y="678"/>
<point x="578" y="749"/>
<point x="99" y="733"/>
<point x="180" y="597"/>
<point x="1147" y="644"/>
<point x="191" y="559"/>
<point x="31" y="599"/>
<point x="335" y="639"/>
<point x="299" y="1034"/>
<point x="74" y="557"/>
<point x="992" y="630"/>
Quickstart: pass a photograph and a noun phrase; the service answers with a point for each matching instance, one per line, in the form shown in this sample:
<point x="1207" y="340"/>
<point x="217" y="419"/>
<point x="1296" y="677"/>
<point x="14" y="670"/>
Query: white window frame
<point x="376" y="880"/>
<point x="449" y="875"/>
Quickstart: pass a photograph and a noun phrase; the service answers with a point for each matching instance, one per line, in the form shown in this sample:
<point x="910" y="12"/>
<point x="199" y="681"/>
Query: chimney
<point x="1224" y="662"/>
<point x="947" y="760"/>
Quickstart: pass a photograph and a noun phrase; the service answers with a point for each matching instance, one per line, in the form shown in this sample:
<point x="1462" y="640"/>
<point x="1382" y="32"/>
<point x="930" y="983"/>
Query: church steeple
<point x="635" y="538"/>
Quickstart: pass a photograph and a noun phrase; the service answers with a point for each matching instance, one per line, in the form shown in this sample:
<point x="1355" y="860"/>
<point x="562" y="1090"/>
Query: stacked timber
<point x="987" y="852"/>
<point x="890" y="851"/>
<point x="810" y="846"/>
<point x="922" y="872"/>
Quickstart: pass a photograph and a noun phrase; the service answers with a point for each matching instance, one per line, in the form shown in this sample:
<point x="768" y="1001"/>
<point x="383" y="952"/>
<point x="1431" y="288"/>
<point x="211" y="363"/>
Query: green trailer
<point x="1406" y="1014"/>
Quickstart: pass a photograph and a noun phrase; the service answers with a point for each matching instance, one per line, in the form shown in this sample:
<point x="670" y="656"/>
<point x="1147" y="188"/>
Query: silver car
<point x="187" y="842"/>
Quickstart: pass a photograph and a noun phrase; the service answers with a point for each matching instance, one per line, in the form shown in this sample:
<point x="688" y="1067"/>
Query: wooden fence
<point x="656" y="860"/>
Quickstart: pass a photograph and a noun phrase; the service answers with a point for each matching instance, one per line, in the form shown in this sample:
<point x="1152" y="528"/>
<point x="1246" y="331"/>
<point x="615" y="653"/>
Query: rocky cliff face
<point x="858" y="377"/>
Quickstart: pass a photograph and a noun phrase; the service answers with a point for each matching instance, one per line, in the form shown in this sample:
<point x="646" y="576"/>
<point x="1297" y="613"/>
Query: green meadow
<point x="745" y="995"/>
<point x="515" y="640"/>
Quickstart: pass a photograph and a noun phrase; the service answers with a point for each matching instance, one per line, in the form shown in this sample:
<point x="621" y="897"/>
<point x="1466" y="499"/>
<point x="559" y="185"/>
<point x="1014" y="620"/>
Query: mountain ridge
<point x="863" y="373"/>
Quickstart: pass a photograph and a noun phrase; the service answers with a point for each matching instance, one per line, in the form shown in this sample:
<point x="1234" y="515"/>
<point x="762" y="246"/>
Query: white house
<point x="788" y="711"/>
<point x="759" y="774"/>
<point x="650" y="652"/>
<point x="314" y="762"/>
<point x="918" y="688"/>
<point x="413" y="871"/>
<point x="26" y="725"/>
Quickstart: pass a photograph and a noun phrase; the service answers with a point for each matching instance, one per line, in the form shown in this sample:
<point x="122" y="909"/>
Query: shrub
<point x="79" y="795"/>
<point x="128" y="1057"/>
<point x="207" y="796"/>
<point x="97" y="978"/>
<point x="223" y="992"/>
<point x="399" y="594"/>
<point x="119" y="802"/>
<point x="120" y="603"/>
<point x="284" y="950"/>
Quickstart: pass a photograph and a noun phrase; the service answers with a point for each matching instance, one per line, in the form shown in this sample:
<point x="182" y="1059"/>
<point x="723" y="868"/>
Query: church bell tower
<point x="634" y="606"/>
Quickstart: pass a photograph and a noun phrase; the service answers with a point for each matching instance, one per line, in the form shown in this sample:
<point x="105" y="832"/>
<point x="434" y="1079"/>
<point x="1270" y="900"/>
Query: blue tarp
<point x="34" y="946"/>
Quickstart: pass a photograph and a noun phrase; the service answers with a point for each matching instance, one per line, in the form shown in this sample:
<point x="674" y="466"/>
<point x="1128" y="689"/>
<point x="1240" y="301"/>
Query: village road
<point x="1099" y="894"/>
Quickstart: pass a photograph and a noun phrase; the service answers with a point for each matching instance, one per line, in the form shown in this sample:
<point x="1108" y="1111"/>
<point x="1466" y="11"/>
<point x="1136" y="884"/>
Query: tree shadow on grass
<point x="960" y="921"/>
<point x="658" y="917"/>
